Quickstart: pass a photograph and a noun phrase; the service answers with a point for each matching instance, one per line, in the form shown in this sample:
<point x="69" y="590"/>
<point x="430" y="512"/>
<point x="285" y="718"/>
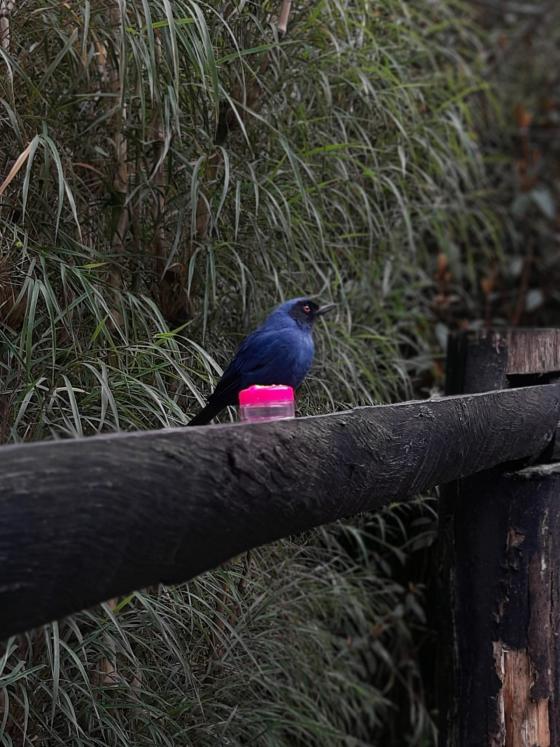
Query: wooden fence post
<point x="499" y="673"/>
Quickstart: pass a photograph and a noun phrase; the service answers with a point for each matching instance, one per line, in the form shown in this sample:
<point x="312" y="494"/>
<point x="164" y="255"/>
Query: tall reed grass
<point x="169" y="172"/>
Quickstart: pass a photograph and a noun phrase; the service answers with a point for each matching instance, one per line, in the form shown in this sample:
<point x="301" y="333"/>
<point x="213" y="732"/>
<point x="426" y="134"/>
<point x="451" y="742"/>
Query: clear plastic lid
<point x="274" y="402"/>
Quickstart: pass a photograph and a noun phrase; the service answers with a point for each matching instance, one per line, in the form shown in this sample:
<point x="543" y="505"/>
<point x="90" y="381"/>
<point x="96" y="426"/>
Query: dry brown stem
<point x="284" y="16"/>
<point x="110" y="73"/>
<point x="169" y="288"/>
<point x="6" y="7"/>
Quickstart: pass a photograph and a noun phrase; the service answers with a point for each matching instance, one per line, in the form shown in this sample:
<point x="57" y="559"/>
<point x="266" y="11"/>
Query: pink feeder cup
<point x="258" y="403"/>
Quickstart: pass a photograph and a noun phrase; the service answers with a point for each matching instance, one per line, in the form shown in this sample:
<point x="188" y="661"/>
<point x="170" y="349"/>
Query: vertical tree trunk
<point x="500" y="572"/>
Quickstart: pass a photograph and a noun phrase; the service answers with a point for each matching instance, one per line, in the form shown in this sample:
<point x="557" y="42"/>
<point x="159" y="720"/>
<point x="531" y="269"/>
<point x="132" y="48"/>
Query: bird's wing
<point x="265" y="357"/>
<point x="227" y="388"/>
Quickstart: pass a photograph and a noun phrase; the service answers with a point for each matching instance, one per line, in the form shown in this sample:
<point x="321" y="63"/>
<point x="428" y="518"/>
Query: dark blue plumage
<point x="280" y="351"/>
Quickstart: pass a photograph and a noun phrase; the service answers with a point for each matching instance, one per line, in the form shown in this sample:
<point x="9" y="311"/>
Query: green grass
<point x="260" y="651"/>
<point x="520" y="137"/>
<point x="136" y="251"/>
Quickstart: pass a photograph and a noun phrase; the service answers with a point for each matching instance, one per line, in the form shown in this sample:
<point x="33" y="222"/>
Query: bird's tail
<point x="206" y="414"/>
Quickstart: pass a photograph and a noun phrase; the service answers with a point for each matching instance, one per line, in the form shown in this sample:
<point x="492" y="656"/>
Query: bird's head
<point x="304" y="311"/>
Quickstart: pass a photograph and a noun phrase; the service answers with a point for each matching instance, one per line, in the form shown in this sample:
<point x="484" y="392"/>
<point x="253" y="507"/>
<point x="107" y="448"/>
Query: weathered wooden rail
<point x="88" y="519"/>
<point x="83" y="521"/>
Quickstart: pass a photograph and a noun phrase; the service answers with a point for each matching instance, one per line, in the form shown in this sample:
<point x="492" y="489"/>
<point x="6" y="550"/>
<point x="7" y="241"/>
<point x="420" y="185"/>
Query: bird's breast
<point x="304" y="350"/>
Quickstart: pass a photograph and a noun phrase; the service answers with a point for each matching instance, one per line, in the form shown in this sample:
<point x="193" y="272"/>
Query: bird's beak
<point x="325" y="309"/>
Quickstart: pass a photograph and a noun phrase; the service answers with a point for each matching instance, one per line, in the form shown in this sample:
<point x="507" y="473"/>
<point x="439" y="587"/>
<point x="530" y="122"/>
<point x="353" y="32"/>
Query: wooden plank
<point x="533" y="351"/>
<point x="493" y="358"/>
<point x="89" y="519"/>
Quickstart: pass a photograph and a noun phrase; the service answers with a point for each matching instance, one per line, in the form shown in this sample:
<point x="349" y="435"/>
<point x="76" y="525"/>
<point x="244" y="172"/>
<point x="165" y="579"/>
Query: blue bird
<point x="280" y="351"/>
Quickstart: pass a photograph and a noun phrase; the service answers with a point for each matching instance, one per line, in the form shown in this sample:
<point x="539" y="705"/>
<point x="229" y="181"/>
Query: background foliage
<point x="169" y="172"/>
<point x="522" y="145"/>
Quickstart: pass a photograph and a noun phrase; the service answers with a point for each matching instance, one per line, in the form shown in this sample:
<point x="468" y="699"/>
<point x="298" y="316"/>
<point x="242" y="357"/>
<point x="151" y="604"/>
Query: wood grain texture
<point x="533" y="351"/>
<point x="482" y="360"/>
<point x="86" y="520"/>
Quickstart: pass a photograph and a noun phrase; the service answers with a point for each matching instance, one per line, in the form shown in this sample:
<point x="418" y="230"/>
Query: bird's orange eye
<point x="307" y="308"/>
